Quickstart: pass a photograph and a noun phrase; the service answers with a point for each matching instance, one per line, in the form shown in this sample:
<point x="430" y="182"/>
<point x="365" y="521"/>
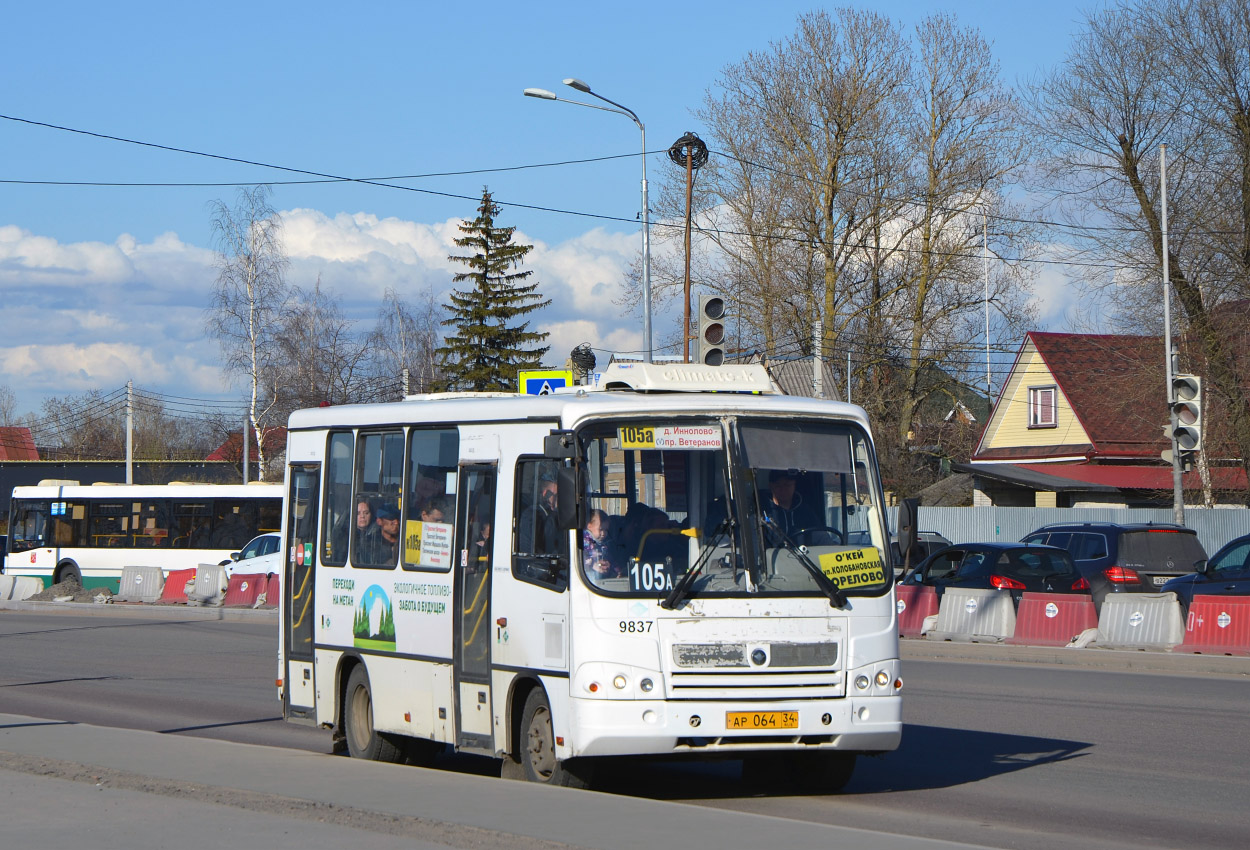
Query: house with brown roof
<point x="1080" y="423"/>
<point x="16" y="443"/>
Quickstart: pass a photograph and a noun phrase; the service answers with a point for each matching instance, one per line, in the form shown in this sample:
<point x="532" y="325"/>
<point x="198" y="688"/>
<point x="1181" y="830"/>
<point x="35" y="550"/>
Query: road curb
<point x="138" y="610"/>
<point x="1120" y="660"/>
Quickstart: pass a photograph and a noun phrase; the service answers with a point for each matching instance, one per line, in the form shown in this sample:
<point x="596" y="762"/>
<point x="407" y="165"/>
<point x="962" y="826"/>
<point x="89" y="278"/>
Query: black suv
<point x="1128" y="558"/>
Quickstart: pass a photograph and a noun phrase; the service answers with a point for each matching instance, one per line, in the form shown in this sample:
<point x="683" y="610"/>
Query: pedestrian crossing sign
<point x="543" y="382"/>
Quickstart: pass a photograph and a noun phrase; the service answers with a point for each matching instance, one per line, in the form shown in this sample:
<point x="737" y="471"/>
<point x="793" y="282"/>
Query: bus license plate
<point x="761" y="720"/>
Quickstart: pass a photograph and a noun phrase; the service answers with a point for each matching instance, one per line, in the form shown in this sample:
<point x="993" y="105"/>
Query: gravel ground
<point x="70" y="591"/>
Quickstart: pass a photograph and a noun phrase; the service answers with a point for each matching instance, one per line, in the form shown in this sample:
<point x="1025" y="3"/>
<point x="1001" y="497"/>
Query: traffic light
<point x="1187" y="412"/>
<point x="711" y="348"/>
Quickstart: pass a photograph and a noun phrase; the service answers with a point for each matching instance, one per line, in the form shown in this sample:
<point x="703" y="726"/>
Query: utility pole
<point x="689" y="151"/>
<point x="130" y="429"/>
<point x="1178" y="490"/>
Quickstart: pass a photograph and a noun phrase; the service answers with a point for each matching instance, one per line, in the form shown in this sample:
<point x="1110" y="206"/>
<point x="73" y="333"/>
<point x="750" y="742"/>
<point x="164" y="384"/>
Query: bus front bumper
<point x="604" y="727"/>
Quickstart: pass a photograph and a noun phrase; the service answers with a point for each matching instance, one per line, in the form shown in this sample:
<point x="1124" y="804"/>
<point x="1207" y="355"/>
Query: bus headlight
<point x="620" y="682"/>
<point x="883" y="678"/>
<point x="862" y="682"/>
<point x="646" y="686"/>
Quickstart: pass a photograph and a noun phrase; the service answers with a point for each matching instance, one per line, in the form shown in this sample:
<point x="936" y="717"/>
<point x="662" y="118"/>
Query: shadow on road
<point x="930" y="757"/>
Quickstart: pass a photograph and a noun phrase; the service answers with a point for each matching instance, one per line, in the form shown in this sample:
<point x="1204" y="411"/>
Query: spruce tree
<point x="488" y="345"/>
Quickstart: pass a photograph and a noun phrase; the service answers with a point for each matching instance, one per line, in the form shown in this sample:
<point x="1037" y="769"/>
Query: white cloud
<point x="92" y="315"/>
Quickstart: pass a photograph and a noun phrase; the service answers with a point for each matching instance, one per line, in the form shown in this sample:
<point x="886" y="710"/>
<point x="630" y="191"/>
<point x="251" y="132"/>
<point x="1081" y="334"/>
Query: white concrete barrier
<point x="210" y="586"/>
<point x="1140" y="621"/>
<point x="977" y="616"/>
<point x="140" y="584"/>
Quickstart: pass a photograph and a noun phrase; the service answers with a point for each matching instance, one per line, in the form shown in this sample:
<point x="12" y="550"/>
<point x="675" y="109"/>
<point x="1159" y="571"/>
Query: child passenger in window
<point x="594" y="546"/>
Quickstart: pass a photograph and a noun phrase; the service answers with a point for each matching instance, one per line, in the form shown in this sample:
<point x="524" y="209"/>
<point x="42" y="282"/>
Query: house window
<point x="1042" y="407"/>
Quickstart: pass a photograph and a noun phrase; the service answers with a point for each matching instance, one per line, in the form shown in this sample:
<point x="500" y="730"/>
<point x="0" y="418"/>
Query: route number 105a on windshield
<point x="652" y="578"/>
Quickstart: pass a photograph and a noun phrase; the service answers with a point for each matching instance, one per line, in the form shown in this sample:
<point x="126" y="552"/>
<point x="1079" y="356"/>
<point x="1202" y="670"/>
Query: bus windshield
<point x="732" y="506"/>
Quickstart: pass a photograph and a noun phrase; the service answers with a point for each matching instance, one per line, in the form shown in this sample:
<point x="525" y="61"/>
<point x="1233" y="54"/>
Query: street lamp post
<point x="584" y="88"/>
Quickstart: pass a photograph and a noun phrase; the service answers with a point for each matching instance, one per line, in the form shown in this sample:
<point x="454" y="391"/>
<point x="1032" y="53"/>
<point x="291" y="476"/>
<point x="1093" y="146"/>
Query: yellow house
<point x="1079" y="422"/>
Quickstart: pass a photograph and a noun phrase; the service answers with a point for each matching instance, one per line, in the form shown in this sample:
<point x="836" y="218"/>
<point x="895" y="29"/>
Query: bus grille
<point x="763" y="684"/>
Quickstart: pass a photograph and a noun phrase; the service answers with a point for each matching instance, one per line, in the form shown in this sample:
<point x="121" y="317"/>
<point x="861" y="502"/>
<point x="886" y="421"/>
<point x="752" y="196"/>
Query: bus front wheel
<point x="538" y="747"/>
<point x="68" y="572"/>
<point x="363" y="741"/>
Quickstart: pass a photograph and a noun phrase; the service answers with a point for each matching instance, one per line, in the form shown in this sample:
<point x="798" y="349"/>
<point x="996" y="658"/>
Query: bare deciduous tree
<point x="1141" y="75"/>
<point x="407" y="336"/>
<point x="248" y="300"/>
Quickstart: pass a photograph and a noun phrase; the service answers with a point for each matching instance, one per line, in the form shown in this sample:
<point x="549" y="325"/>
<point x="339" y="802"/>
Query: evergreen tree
<point x="488" y="345"/>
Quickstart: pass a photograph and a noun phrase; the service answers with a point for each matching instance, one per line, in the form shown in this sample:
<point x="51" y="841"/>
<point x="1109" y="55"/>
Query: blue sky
<point x="105" y="283"/>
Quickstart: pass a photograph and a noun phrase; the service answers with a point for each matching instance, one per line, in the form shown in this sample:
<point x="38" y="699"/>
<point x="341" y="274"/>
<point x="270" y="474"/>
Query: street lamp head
<point x="541" y="94"/>
<point x="573" y="82"/>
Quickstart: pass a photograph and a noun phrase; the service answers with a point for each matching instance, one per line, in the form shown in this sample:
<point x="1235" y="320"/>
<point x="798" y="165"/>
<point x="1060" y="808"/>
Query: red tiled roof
<point x="16" y="443"/>
<point x="1115" y="385"/>
<point x="1139" y="477"/>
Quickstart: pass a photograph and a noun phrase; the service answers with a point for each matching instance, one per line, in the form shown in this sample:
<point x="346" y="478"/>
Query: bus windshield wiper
<point x="682" y="588"/>
<point x="827" y="586"/>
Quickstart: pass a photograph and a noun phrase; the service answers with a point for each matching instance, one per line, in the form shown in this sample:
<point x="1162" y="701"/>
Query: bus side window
<point x="539" y="549"/>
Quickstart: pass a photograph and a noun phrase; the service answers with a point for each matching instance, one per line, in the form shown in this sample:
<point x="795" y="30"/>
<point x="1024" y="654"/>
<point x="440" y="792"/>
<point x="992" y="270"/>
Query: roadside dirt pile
<point x="75" y="593"/>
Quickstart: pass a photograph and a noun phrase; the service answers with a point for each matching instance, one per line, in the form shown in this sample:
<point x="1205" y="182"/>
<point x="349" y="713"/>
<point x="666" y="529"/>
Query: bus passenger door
<point x="298" y="615"/>
<point x="473" y="626"/>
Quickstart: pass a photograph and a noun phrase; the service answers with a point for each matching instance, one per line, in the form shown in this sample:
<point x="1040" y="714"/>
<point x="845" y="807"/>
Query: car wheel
<point x="538" y="748"/>
<point x="68" y="572"/>
<point x="363" y="741"/>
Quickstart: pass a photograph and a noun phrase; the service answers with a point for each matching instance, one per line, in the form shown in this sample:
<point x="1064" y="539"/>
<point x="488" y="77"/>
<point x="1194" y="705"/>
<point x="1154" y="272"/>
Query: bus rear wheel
<point x="68" y="572"/>
<point x="363" y="741"/>
<point x="537" y="749"/>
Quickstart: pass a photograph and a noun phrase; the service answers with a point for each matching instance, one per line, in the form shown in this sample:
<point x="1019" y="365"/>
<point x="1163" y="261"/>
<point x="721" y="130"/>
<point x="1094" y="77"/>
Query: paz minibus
<point x="677" y="561"/>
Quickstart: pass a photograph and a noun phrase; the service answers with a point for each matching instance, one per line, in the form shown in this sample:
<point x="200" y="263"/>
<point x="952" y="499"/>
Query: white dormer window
<point x="1042" y="402"/>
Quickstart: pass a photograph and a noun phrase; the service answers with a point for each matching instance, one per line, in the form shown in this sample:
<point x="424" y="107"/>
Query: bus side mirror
<point x="566" y="498"/>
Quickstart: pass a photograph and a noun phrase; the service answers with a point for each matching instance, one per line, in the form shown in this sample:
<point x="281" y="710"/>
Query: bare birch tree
<point x="247" y="302"/>
<point x="407" y="336"/>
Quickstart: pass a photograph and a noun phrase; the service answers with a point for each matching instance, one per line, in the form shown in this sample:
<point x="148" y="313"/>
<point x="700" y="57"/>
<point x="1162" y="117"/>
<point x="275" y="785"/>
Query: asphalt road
<point x="995" y="752"/>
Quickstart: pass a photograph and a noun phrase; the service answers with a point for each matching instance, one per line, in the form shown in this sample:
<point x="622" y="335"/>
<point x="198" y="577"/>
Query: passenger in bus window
<point x="438" y="509"/>
<point x="366" y="530"/>
<point x="386" y="547"/>
<point x="232" y="532"/>
<point x="594" y="547"/>
<point x="538" y="533"/>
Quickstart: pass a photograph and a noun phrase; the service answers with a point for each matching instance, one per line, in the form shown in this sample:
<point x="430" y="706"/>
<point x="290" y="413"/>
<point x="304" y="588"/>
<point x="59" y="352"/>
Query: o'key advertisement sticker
<point x="1223" y="621"/>
<point x="1052" y="610"/>
<point x="854" y="567"/>
<point x="902" y="605"/>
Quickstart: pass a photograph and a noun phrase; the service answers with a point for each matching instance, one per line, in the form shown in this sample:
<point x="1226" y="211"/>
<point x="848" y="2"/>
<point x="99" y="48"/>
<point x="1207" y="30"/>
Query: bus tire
<point x="67" y="572"/>
<point x="363" y="741"/>
<point x="538" y="748"/>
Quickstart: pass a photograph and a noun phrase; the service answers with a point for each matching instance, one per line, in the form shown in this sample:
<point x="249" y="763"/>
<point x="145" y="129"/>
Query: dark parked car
<point x="927" y="542"/>
<point x="1125" y="558"/>
<point x="1226" y="574"/>
<point x="1016" y="567"/>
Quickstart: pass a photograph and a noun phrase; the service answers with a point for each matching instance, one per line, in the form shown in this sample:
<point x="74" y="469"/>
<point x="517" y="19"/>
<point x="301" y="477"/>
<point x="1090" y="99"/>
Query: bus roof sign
<point x="687" y="378"/>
